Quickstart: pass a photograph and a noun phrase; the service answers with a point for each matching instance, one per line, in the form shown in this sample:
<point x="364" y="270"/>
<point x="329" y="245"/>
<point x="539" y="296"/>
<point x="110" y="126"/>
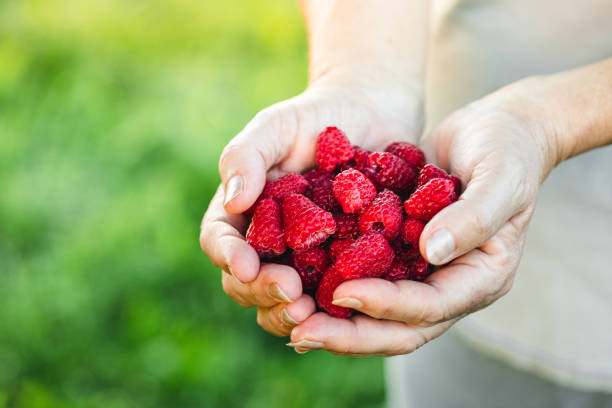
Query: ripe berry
<point x="411" y="231"/>
<point x="338" y="246"/>
<point x="382" y="215"/>
<point x="431" y="171"/>
<point x="430" y="198"/>
<point x="369" y="256"/>
<point x="353" y="190"/>
<point x="265" y="233"/>
<point x="306" y="224"/>
<point x="333" y="149"/>
<point x="412" y="155"/>
<point x="398" y="270"/>
<point x="347" y="225"/>
<point x="310" y="265"/>
<point x="391" y="172"/>
<point x="325" y="294"/>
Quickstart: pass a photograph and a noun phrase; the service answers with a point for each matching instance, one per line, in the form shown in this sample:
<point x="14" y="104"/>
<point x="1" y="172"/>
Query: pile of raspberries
<point x="345" y="220"/>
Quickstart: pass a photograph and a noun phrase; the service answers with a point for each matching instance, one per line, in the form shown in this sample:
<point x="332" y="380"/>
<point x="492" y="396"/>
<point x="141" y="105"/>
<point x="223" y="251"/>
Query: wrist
<point x="386" y="93"/>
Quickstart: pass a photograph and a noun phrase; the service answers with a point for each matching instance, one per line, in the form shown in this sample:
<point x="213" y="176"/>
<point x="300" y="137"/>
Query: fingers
<point x="283" y="317"/>
<point x="361" y="335"/>
<point x="246" y="159"/>
<point x="274" y="284"/>
<point x="490" y="199"/>
<point x="469" y="283"/>
<point x="221" y="240"/>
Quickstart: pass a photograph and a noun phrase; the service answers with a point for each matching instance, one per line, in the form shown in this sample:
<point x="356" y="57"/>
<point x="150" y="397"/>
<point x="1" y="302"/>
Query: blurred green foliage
<point x="112" y="117"/>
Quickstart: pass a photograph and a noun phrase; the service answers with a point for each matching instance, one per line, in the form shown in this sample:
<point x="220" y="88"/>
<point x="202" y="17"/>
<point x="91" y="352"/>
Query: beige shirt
<point x="557" y="319"/>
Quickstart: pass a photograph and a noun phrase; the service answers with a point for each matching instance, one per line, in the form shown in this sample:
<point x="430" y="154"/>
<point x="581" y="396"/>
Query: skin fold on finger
<point x="362" y="335"/>
<point x="222" y="241"/>
<point x="467" y="284"/>
<point x="274" y="284"/>
<point x="283" y="317"/>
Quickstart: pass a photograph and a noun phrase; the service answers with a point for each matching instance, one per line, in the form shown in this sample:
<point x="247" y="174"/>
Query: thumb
<point x="246" y="159"/>
<point x="487" y="203"/>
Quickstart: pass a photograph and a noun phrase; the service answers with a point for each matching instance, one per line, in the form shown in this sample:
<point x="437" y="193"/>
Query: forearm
<point x="579" y="103"/>
<point x="351" y="38"/>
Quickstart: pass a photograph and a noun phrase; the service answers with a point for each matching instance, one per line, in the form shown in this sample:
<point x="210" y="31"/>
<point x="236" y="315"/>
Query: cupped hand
<point x="279" y="140"/>
<point x="502" y="148"/>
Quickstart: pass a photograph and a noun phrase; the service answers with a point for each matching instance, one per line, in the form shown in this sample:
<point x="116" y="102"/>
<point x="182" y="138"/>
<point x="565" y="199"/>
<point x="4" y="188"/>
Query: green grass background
<point x="112" y="116"/>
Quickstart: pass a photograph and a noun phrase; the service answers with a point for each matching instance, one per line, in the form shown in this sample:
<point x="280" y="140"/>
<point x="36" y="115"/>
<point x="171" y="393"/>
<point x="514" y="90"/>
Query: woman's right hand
<point x="279" y="140"/>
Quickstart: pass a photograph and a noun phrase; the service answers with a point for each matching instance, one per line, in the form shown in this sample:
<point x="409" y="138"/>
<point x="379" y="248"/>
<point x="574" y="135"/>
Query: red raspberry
<point x="310" y="265"/>
<point x="432" y="171"/>
<point x="457" y="182"/>
<point x="325" y="294"/>
<point x="321" y="193"/>
<point x="333" y="149"/>
<point x="265" y="233"/>
<point x="360" y="158"/>
<point x="339" y="246"/>
<point x="353" y="190"/>
<point x="315" y="176"/>
<point x="398" y="270"/>
<point x="347" y="225"/>
<point x="369" y="256"/>
<point x="430" y="198"/>
<point x="411" y="154"/>
<point x="411" y="231"/>
<point x="278" y="189"/>
<point x="382" y="215"/>
<point x="306" y="225"/>
<point x="429" y="172"/>
<point x="405" y="251"/>
<point x="419" y="269"/>
<point x="391" y="172"/>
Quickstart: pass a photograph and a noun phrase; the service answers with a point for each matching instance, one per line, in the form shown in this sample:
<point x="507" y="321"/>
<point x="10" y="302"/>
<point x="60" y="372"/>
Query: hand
<point x="502" y="149"/>
<point x="279" y="140"/>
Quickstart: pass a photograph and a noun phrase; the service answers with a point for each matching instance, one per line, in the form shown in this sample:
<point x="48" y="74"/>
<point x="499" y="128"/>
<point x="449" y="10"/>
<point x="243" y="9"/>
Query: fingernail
<point x="229" y="269"/>
<point x="232" y="188"/>
<point x="440" y="246"/>
<point x="311" y="345"/>
<point x="348" y="302"/>
<point x="288" y="320"/>
<point x="277" y="293"/>
<point x="301" y="351"/>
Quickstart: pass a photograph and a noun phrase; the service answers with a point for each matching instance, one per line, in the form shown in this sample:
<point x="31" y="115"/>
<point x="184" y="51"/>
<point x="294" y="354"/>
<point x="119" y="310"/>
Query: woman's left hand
<point x="502" y="147"/>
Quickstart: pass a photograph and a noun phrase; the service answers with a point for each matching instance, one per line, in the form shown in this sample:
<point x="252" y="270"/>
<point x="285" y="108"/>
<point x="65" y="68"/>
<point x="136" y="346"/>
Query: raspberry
<point x="432" y="171"/>
<point x="369" y="256"/>
<point x="321" y="193"/>
<point x="310" y="265"/>
<point x="339" y="246"/>
<point x="398" y="270"/>
<point x="325" y="294"/>
<point x="347" y="225"/>
<point x="412" y="155"/>
<point x="382" y="215"/>
<point x="265" y="233"/>
<point x="315" y="176"/>
<point x="419" y="269"/>
<point x="333" y="149"/>
<point x="405" y="251"/>
<point x="391" y="172"/>
<point x="306" y="224"/>
<point x="353" y="190"/>
<point x="430" y="198"/>
<point x="278" y="189"/>
<point x="411" y="231"/>
<point x="457" y="182"/>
